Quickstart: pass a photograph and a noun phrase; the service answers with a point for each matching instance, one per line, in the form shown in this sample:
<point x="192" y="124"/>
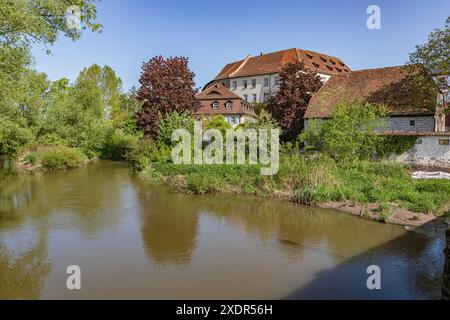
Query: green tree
<point x="435" y="55"/>
<point x="23" y="22"/>
<point x="349" y="135"/>
<point x="218" y="122"/>
<point x="99" y="89"/>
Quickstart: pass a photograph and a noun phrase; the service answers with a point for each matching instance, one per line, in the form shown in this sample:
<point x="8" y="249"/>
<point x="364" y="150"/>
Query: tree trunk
<point x="446" y="275"/>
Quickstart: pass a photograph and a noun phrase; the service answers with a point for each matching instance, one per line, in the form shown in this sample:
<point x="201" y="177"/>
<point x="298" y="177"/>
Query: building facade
<point x="218" y="100"/>
<point x="409" y="109"/>
<point x="255" y="79"/>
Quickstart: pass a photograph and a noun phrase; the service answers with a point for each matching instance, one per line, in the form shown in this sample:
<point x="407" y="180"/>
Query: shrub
<point x="61" y="157"/>
<point x="118" y="145"/>
<point x="12" y="136"/>
<point x="168" y="123"/>
<point x="218" y="122"/>
<point x="146" y="151"/>
<point x="349" y="135"/>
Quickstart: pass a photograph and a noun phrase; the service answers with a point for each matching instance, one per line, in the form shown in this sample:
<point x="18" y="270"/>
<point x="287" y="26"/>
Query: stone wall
<point x="429" y="151"/>
<point x="446" y="275"/>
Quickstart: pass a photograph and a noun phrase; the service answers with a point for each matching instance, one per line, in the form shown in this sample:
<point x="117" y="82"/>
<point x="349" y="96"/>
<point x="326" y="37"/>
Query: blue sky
<point x="215" y="32"/>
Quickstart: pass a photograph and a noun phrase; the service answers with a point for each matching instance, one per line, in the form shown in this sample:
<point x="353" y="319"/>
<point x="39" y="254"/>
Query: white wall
<point x="428" y="152"/>
<point x="259" y="90"/>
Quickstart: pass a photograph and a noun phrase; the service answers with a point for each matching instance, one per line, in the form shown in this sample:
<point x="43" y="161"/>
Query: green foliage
<point x="12" y="136"/>
<point x="169" y="122"/>
<point x="435" y="54"/>
<point x="394" y="145"/>
<point x="259" y="107"/>
<point x="218" y="122"/>
<point x="384" y="211"/>
<point x="349" y="134"/>
<point x="23" y="22"/>
<point x="61" y="157"/>
<point x="314" y="180"/>
<point x="264" y="121"/>
<point x="147" y="151"/>
<point x="117" y="145"/>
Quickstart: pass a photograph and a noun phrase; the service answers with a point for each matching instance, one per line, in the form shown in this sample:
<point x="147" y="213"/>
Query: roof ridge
<point x="242" y="64"/>
<point x="371" y="69"/>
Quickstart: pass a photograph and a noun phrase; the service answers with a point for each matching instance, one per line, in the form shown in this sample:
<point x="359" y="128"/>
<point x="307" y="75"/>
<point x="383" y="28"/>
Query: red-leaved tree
<point x="288" y="106"/>
<point x="167" y="85"/>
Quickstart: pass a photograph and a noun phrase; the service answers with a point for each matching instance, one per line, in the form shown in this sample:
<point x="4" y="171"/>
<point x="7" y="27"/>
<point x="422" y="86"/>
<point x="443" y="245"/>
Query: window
<point x="246" y="97"/>
<point x="266" y="96"/>
<point x="316" y="65"/>
<point x="245" y="82"/>
<point x="444" y="142"/>
<point x="253" y="83"/>
<point x="228" y="105"/>
<point x="277" y="81"/>
<point x="234" y="85"/>
<point x="323" y="59"/>
<point x="412" y="122"/>
<point x="236" y="120"/>
<point x="309" y="56"/>
<point x="215" y="105"/>
<point x="266" y="82"/>
<point x="333" y="62"/>
<point x="228" y="119"/>
<point x="254" y="97"/>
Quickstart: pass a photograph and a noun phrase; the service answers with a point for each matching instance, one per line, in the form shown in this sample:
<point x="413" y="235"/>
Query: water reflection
<point x="133" y="240"/>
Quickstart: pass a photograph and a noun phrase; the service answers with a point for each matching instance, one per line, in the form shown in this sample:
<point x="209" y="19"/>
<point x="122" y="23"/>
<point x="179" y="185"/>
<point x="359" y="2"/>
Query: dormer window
<point x="229" y="105"/>
<point x="309" y="56"/>
<point x="323" y="59"/>
<point x="215" y="105"/>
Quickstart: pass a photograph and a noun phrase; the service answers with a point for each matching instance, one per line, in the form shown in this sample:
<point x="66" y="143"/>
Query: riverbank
<point x="382" y="191"/>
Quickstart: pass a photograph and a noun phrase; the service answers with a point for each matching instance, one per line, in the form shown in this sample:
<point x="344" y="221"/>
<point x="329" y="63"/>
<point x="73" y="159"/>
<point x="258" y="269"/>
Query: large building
<point x="218" y="100"/>
<point x="410" y="109"/>
<point x="255" y="79"/>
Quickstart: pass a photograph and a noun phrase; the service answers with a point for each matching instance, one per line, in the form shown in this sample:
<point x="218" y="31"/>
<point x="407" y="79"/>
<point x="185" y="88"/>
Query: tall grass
<point x="311" y="181"/>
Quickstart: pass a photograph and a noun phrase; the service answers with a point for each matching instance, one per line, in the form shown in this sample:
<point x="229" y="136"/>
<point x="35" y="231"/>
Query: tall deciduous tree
<point x="25" y="21"/>
<point x="435" y="55"/>
<point x="167" y="85"/>
<point x="99" y="88"/>
<point x="288" y="106"/>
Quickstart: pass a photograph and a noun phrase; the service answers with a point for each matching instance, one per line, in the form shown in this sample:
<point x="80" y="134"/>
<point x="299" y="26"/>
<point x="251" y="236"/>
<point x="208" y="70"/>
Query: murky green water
<point x="132" y="240"/>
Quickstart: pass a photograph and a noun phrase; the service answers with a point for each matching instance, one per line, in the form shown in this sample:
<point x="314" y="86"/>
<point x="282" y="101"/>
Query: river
<point x="132" y="240"/>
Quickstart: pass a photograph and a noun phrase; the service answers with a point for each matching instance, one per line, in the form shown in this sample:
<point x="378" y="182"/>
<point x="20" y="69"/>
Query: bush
<point x="146" y="151"/>
<point x="61" y="157"/>
<point x="12" y="136"/>
<point x="118" y="145"/>
<point x="170" y="122"/>
<point x="218" y="122"/>
<point x="349" y="135"/>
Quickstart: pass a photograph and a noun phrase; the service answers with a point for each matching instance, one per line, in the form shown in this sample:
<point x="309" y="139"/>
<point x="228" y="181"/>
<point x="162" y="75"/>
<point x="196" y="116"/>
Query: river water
<point x="132" y="240"/>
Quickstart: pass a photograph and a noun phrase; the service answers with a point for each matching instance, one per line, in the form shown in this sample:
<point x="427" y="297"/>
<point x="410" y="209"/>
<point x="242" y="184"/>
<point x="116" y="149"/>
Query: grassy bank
<point x="312" y="182"/>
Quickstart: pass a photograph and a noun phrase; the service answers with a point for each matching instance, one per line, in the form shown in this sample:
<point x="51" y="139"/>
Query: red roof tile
<point x="222" y="95"/>
<point x="272" y="63"/>
<point x="391" y="86"/>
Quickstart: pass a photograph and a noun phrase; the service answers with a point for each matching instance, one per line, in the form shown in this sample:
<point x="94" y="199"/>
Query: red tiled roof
<point x="222" y="95"/>
<point x="391" y="86"/>
<point x="272" y="63"/>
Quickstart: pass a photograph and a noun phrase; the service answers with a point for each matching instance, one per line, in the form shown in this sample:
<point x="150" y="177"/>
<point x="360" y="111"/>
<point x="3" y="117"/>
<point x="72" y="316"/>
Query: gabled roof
<point x="215" y="92"/>
<point x="222" y="95"/>
<point x="272" y="63"/>
<point x="392" y="86"/>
